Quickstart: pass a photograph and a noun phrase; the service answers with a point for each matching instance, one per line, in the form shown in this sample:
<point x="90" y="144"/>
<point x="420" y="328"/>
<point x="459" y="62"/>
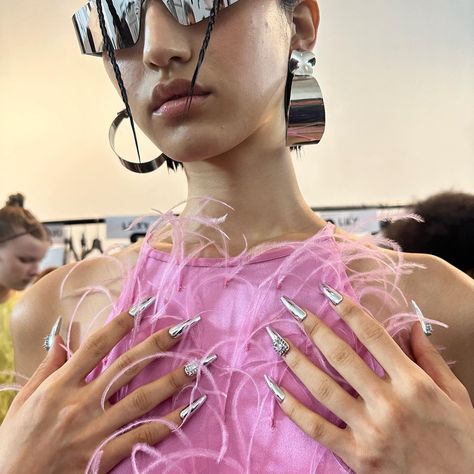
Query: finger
<point x="149" y="433"/>
<point x="323" y="387"/>
<point x="370" y="332"/>
<point x="129" y="364"/>
<point x="336" y="439"/>
<point x="53" y="361"/>
<point x="97" y="346"/>
<point x="431" y="361"/>
<point x="148" y="396"/>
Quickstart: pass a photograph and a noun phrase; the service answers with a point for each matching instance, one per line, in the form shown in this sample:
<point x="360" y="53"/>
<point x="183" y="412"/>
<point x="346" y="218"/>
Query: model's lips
<point x="170" y="99"/>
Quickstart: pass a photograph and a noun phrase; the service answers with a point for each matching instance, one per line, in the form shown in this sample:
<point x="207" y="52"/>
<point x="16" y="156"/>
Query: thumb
<point x="431" y="361"/>
<point x="53" y="361"/>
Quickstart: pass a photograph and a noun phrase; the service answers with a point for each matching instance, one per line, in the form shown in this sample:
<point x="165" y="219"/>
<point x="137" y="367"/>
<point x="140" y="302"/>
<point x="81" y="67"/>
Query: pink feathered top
<point x="241" y="428"/>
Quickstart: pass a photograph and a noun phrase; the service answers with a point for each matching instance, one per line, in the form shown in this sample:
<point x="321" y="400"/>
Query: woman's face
<point x="244" y="75"/>
<point x="19" y="261"/>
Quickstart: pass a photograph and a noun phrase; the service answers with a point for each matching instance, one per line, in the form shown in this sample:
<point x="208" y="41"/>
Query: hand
<point x="57" y="422"/>
<point x="415" y="419"/>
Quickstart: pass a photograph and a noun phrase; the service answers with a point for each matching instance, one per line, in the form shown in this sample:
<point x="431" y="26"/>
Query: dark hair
<point x="15" y="220"/>
<point x="287" y="6"/>
<point x="447" y="230"/>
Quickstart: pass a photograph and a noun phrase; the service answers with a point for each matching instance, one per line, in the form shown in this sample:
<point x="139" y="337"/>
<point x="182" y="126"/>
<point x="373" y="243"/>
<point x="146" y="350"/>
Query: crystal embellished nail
<point x="191" y="368"/>
<point x="279" y="344"/>
<point x="139" y="308"/>
<point x="181" y="328"/>
<point x="276" y="390"/>
<point x="192" y="408"/>
<point x="49" y="339"/>
<point x="331" y="294"/>
<point x="299" y="313"/>
<point x="425" y="325"/>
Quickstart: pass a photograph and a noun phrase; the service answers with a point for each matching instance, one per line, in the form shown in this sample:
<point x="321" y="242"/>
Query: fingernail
<point x="276" y="390"/>
<point x="139" y="308"/>
<point x="299" y="313"/>
<point x="192" y="408"/>
<point x="49" y="339"/>
<point x="181" y="328"/>
<point x="279" y="344"/>
<point x="331" y="294"/>
<point x="425" y="325"/>
<point x="191" y="368"/>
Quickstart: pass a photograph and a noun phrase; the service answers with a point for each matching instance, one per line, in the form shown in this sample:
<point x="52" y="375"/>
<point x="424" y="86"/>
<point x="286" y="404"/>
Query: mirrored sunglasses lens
<point x="190" y="12"/>
<point x="122" y="21"/>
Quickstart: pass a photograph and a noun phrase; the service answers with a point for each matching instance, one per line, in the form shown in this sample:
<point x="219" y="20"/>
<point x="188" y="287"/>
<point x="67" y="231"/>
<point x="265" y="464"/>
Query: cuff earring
<point x="306" y="115"/>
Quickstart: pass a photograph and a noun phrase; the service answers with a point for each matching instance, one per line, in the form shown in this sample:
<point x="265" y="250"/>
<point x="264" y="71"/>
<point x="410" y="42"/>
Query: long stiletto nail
<point x="192" y="408"/>
<point x="191" y="368"/>
<point x="425" y="325"/>
<point x="299" y="313"/>
<point x="49" y="339"/>
<point x="181" y="328"/>
<point x="137" y="309"/>
<point x="279" y="344"/>
<point x="276" y="390"/>
<point x="331" y="294"/>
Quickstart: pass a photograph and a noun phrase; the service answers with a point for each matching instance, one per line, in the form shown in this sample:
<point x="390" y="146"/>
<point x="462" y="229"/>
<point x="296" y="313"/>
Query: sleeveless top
<point x="241" y="428"/>
<point x="6" y="356"/>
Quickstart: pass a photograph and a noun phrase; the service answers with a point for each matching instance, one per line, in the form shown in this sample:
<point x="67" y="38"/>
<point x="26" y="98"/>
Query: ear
<point x="305" y="25"/>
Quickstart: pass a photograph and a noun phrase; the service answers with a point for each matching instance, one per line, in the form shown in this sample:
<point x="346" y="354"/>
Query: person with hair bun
<point x="24" y="242"/>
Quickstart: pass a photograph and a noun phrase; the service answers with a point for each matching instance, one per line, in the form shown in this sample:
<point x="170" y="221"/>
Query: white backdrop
<point x="397" y="78"/>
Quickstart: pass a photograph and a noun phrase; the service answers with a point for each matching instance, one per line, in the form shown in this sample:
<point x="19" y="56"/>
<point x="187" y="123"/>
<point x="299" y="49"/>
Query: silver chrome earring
<point x="306" y="114"/>
<point x="146" y="167"/>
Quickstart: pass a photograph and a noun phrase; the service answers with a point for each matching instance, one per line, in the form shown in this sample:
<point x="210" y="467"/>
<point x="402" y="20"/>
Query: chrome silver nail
<point x="299" y="313"/>
<point x="49" y="339"/>
<point x="192" y="408"/>
<point x="191" y="369"/>
<point x="181" y="328"/>
<point x="139" y="308"/>
<point x="279" y="344"/>
<point x="276" y="390"/>
<point x="425" y="325"/>
<point x="331" y="294"/>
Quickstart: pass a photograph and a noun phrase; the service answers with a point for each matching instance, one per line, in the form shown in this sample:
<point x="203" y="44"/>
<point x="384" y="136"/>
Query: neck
<point x="259" y="183"/>
<point x="5" y="294"/>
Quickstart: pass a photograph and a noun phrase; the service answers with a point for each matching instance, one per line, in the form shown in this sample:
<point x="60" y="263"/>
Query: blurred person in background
<point x="447" y="230"/>
<point x="24" y="242"/>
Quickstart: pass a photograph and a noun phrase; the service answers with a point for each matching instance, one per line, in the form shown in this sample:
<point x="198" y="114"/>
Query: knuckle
<point x="140" y="401"/>
<point x="174" y="381"/>
<point x="372" y="331"/>
<point x="96" y="346"/>
<point x="349" y="311"/>
<point x="341" y="355"/>
<point x="146" y="435"/>
<point x="323" y="391"/>
<point x="314" y="328"/>
<point x="421" y="390"/>
<point x="158" y="343"/>
<point x="293" y="361"/>
<point x="316" y="429"/>
<point x="126" y="364"/>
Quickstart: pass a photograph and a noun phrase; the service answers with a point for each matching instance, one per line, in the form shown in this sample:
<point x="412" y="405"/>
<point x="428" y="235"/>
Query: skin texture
<point x="233" y="149"/>
<point x="19" y="263"/>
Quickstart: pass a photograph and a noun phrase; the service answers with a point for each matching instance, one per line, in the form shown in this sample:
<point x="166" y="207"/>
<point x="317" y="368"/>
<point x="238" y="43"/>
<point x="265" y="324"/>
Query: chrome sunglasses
<point x="123" y="20"/>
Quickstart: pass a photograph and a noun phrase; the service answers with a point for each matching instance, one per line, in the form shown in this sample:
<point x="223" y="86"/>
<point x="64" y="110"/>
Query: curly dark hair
<point x="447" y="230"/>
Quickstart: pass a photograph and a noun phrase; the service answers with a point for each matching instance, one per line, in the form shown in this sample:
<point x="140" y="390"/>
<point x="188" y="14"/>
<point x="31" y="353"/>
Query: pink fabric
<point x="241" y="428"/>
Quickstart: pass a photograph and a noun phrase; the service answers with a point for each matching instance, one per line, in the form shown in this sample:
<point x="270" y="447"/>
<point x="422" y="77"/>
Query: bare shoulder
<point x="82" y="294"/>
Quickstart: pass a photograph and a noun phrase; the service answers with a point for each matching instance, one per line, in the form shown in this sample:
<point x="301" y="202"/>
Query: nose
<point x="164" y="38"/>
<point x="34" y="270"/>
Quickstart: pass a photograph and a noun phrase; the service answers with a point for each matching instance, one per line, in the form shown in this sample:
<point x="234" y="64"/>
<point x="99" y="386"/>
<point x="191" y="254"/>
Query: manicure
<point x="331" y="294"/>
<point x="139" y="308"/>
<point x="425" y="325"/>
<point x="191" y="368"/>
<point x="192" y="408"/>
<point x="299" y="313"/>
<point x="276" y="390"/>
<point x="49" y="339"/>
<point x="181" y="328"/>
<point x="279" y="344"/>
